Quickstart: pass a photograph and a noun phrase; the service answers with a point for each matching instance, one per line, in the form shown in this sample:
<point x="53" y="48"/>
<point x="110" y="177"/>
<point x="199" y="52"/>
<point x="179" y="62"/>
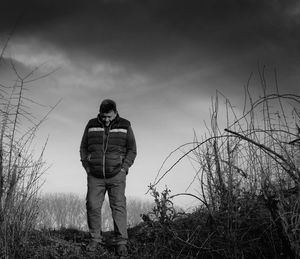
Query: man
<point x="107" y="150"/>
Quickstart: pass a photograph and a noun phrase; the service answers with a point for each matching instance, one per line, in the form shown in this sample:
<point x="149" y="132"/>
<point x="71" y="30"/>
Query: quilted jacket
<point x="104" y="151"/>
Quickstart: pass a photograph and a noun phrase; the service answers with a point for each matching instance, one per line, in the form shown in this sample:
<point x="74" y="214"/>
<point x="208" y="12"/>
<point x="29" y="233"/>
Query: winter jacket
<point x="107" y="150"/>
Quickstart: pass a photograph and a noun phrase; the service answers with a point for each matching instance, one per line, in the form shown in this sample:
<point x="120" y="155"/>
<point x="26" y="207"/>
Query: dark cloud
<point x="162" y="36"/>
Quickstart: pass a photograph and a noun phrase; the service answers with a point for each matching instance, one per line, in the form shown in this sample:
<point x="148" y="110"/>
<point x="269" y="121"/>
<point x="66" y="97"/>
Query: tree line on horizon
<point x="68" y="210"/>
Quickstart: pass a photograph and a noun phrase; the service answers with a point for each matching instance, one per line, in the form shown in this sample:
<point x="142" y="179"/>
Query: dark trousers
<point x="115" y="188"/>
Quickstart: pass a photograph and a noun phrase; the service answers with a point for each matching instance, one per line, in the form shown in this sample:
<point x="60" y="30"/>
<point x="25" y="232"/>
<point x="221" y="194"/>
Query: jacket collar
<point x="113" y="122"/>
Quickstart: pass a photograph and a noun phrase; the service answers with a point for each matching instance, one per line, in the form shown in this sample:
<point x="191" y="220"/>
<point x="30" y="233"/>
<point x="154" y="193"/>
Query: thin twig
<point x="268" y="150"/>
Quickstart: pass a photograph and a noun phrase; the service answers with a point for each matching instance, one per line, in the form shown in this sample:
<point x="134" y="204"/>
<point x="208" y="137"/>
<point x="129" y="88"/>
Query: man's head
<point x="108" y="111"/>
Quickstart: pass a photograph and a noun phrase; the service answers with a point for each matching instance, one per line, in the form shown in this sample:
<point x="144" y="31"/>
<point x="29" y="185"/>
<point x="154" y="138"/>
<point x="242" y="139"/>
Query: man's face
<point x="108" y="117"/>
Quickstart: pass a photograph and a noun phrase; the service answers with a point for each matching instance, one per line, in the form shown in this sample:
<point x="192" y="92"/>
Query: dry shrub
<point x="248" y="178"/>
<point x="20" y="168"/>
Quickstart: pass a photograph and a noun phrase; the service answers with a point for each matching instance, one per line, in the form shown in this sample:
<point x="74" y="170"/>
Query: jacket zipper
<point x="105" y="146"/>
<point x="105" y="149"/>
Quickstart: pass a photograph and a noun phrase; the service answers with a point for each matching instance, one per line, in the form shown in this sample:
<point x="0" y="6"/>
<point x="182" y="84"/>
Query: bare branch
<point x="268" y="150"/>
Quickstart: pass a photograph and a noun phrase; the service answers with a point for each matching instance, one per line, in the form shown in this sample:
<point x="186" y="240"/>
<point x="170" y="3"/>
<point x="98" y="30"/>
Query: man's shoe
<point x="92" y="246"/>
<point x="122" y="250"/>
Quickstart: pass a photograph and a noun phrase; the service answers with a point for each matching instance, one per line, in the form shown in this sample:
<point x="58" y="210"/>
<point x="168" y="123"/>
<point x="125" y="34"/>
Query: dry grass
<point x="20" y="168"/>
<point x="256" y="158"/>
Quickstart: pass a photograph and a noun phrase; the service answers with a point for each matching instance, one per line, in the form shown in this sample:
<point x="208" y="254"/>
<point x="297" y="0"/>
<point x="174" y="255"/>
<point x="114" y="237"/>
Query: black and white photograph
<point x="150" y="129"/>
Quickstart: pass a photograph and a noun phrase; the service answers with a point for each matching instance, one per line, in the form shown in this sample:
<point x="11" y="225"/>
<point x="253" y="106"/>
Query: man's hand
<point x="85" y="165"/>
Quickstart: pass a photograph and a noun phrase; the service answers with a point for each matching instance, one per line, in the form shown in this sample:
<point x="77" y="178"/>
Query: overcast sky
<point x="161" y="60"/>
